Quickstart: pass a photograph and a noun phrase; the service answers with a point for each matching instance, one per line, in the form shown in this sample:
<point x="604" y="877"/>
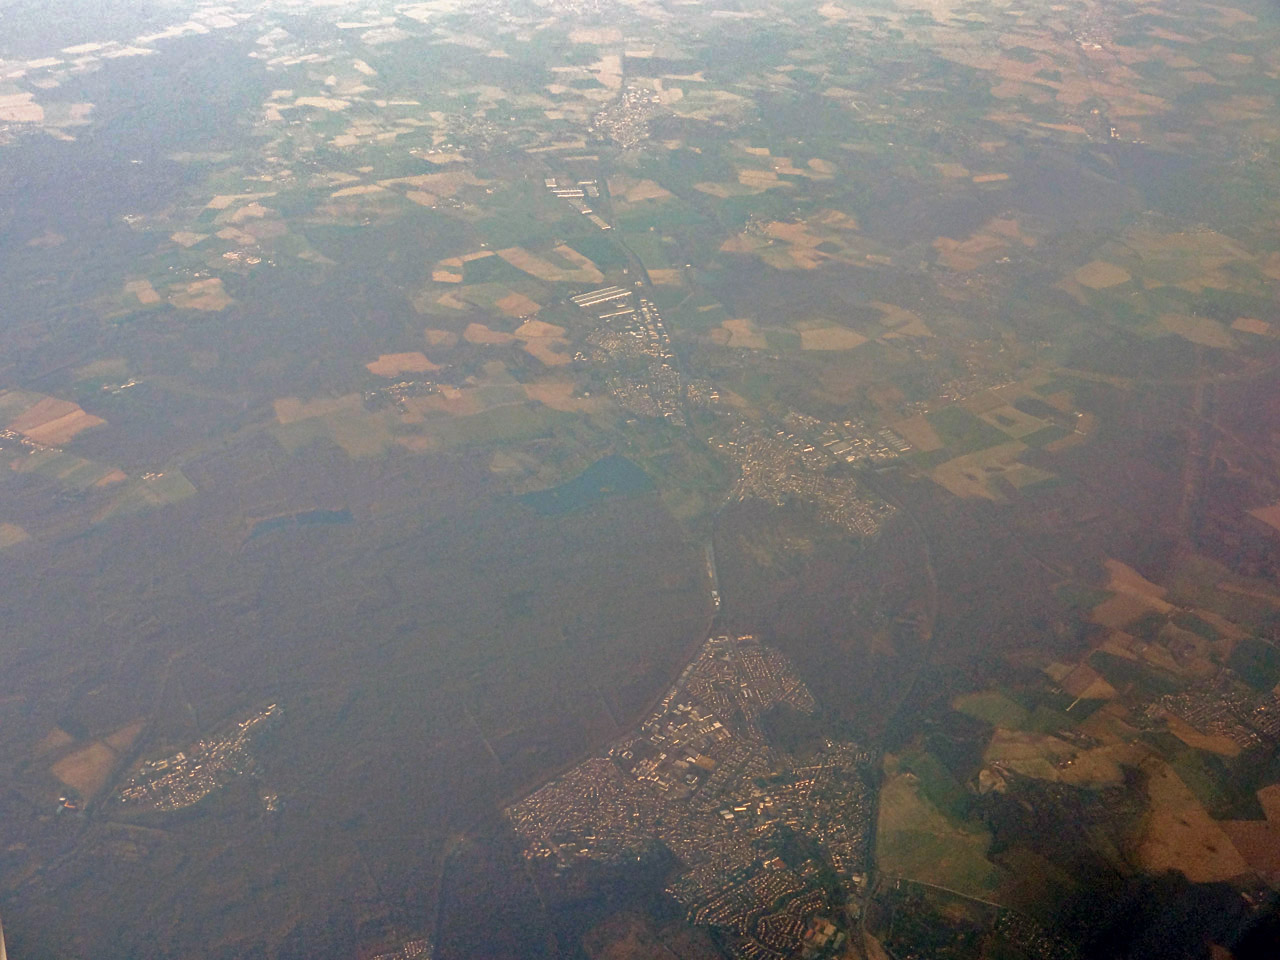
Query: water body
<point x="614" y="476"/>
<point x="308" y="518"/>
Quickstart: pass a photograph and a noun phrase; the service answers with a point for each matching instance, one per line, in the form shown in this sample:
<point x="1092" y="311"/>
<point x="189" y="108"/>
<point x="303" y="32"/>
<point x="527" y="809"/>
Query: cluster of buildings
<point x="410" y="950"/>
<point x="576" y="193"/>
<point x="633" y="339"/>
<point x="1032" y="939"/>
<point x="782" y="466"/>
<point x="397" y="393"/>
<point x="184" y="779"/>
<point x="8" y="436"/>
<point x="1225" y="707"/>
<point x="242" y="256"/>
<point x="854" y="442"/>
<point x="702" y="778"/>
<point x="626" y="120"/>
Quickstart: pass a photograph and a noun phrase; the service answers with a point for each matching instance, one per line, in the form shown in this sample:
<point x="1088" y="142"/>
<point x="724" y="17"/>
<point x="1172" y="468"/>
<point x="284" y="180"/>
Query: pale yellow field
<point x="1214" y="743"/>
<point x="968" y="475"/>
<point x="969" y="254"/>
<point x="55" y="433"/>
<point x="1201" y="330"/>
<point x="11" y="534"/>
<point x="479" y="333"/>
<point x="444" y="184"/>
<point x="1085" y="682"/>
<point x="726" y="190"/>
<point x="1064" y="128"/>
<point x="904" y="323"/>
<point x="422" y="198"/>
<point x="1098" y="275"/>
<point x="52" y="422"/>
<point x="87" y="769"/>
<point x="55" y="739"/>
<point x="1268" y="515"/>
<point x="250" y="211"/>
<point x="444" y="159"/>
<point x="518" y="305"/>
<point x="545" y="341"/>
<point x="322" y="103"/>
<point x="558" y="395"/>
<point x="186" y="238"/>
<point x="41" y="412"/>
<point x="1126" y="580"/>
<point x="123" y="738"/>
<point x="1030" y="754"/>
<point x="293" y="409"/>
<point x="143" y="290"/>
<point x="741" y="243"/>
<point x="984" y="245"/>
<point x="1180" y="835"/>
<point x="743" y="333"/>
<point x="831" y="338"/>
<point x="207" y="295"/>
<point x="584" y="271"/>
<point x="362" y="190"/>
<point x="1259" y="840"/>
<point x="224" y="201"/>
<point x="1252" y="325"/>
<point x="631" y="190"/>
<point x="20" y="108"/>
<point x="919" y="432"/>
<point x="394" y="364"/>
<point x="452" y="301"/>
<point x="533" y="329"/>
<point x="759" y="178"/>
<point x="608" y="70"/>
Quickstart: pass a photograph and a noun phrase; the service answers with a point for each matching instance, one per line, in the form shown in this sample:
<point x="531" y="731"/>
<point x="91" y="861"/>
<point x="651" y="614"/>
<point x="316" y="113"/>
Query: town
<point x="782" y="465"/>
<point x="703" y="777"/>
<point x="632" y="333"/>
<point x="184" y="779"/>
<point x="626" y="120"/>
<point x="419" y="949"/>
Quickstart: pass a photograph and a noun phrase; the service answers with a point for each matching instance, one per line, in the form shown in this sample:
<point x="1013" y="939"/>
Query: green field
<point x="962" y="432"/>
<point x="917" y="841"/>
<point x="993" y="708"/>
<point x="514" y="423"/>
<point x="1257" y="662"/>
<point x="169" y="487"/>
<point x="601" y="250"/>
<point x="1045" y="436"/>
<point x="1122" y="673"/>
<point x="651" y="248"/>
